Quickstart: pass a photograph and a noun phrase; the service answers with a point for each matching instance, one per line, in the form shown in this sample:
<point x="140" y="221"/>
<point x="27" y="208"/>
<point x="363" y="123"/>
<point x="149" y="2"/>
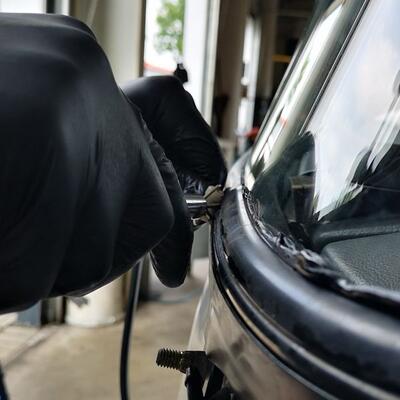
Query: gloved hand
<point x="171" y="257"/>
<point x="85" y="190"/>
<point x="178" y="127"/>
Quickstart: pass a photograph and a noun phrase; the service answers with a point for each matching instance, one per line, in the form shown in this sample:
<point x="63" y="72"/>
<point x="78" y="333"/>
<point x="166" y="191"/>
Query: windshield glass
<point x="297" y="96"/>
<point x="280" y="133"/>
<point x="326" y="167"/>
<point x="356" y="127"/>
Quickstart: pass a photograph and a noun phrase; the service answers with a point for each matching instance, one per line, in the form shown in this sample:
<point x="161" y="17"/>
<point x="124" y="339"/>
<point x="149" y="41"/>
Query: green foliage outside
<point x="170" y="27"/>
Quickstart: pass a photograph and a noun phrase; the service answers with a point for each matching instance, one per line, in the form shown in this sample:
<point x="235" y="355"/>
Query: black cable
<point x="3" y="391"/>
<point x="128" y="323"/>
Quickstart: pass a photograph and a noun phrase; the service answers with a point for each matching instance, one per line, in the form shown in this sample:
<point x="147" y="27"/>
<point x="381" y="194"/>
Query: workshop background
<point x="235" y="53"/>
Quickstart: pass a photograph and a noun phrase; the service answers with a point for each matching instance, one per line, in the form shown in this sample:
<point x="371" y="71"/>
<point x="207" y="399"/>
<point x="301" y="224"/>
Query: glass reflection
<point x="301" y="75"/>
<point x="356" y="126"/>
<point x="343" y="162"/>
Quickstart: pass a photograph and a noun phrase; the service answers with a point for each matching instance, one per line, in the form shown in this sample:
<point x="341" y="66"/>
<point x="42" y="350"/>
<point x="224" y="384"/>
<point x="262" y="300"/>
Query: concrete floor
<point x="80" y="363"/>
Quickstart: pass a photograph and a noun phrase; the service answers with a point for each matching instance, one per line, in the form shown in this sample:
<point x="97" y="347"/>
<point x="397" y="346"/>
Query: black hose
<point x="128" y="323"/>
<point x="3" y="391"/>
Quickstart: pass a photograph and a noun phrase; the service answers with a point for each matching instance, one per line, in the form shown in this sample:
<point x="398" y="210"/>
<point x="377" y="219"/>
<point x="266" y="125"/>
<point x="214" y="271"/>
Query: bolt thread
<point x="168" y="358"/>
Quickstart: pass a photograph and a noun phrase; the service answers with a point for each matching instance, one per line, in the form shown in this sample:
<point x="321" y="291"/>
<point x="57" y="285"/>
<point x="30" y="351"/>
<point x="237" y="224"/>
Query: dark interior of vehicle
<point x="362" y="240"/>
<point x="359" y="239"/>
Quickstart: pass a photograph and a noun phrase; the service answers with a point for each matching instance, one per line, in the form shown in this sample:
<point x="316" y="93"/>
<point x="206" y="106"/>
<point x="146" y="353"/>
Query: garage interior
<point x="235" y="53"/>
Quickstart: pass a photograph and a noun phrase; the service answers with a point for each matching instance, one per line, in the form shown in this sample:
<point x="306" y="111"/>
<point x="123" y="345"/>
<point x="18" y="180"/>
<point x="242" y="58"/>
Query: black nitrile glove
<point x="85" y="191"/>
<point x="177" y="125"/>
<point x="171" y="257"/>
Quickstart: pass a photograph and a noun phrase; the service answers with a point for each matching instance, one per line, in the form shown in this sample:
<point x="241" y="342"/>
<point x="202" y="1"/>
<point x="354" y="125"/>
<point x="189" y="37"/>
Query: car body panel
<point x="270" y="330"/>
<point x="279" y="324"/>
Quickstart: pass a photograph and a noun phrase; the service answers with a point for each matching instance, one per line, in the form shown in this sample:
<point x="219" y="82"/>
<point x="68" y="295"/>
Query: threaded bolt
<point x="168" y="358"/>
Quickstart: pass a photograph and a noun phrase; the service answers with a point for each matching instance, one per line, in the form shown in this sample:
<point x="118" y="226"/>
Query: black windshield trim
<point x="288" y="300"/>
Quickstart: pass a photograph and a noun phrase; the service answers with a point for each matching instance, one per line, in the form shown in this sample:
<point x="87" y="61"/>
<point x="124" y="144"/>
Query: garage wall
<point x="119" y="28"/>
<point x="268" y="38"/>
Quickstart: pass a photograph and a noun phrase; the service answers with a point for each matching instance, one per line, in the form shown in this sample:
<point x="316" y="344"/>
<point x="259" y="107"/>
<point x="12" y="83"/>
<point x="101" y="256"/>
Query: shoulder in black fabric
<point x="81" y="197"/>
